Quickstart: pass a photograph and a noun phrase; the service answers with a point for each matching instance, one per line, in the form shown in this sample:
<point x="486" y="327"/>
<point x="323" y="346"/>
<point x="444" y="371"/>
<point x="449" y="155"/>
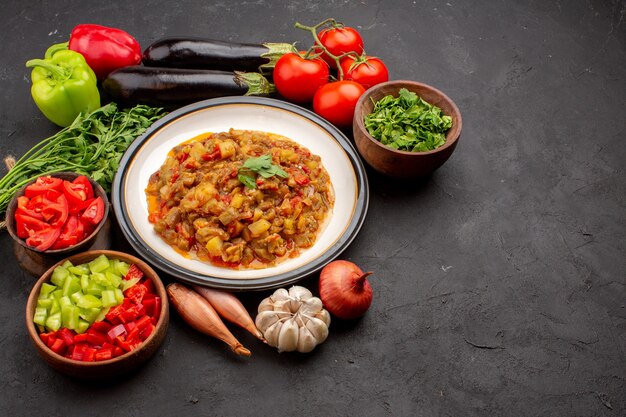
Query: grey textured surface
<point x="499" y="282"/>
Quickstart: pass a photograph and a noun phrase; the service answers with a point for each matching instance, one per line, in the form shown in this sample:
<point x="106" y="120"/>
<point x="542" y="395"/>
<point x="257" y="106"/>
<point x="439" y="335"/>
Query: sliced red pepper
<point x="213" y="155"/>
<point x="116" y="331"/>
<point x="43" y="184"/>
<point x="143" y="322"/>
<point x="103" y="354"/>
<point x="132" y="313"/>
<point x="301" y="179"/>
<point x="80" y="338"/>
<point x="157" y="310"/>
<point x="51" y="339"/>
<point x="134" y="272"/>
<point x="78" y="351"/>
<point x="118" y="351"/>
<point x="89" y="354"/>
<point x="114" y="313"/>
<point x="66" y="335"/>
<point x="27" y="226"/>
<point x="100" y="326"/>
<point x="58" y="346"/>
<point x="97" y="339"/>
<point x="127" y="344"/>
<point x="136" y="293"/>
<point x="71" y="233"/>
<point x="94" y="213"/>
<point x="146" y="332"/>
<point x="45" y="336"/>
<point x="149" y="286"/>
<point x="44" y="239"/>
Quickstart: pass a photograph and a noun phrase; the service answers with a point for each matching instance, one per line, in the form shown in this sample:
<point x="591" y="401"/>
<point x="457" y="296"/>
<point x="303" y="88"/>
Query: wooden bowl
<point x="98" y="191"/>
<point x="113" y="367"/>
<point x="404" y="164"/>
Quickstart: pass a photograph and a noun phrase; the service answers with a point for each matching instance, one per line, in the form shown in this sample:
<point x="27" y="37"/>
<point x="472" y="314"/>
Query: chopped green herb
<point x="92" y="145"/>
<point x="408" y="123"/>
<point x="263" y="166"/>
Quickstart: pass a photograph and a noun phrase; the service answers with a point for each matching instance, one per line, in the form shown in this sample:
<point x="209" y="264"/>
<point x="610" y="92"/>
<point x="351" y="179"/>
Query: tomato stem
<point x="318" y="44"/>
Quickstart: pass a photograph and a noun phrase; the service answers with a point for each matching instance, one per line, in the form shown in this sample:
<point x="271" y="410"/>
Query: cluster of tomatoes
<point x="332" y="74"/>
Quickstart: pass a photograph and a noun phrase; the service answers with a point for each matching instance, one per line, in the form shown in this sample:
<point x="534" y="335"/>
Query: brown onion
<point x="344" y="289"/>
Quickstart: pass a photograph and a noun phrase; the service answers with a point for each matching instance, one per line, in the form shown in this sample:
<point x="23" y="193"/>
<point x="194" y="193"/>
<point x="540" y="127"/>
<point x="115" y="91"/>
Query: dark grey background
<point x="499" y="282"/>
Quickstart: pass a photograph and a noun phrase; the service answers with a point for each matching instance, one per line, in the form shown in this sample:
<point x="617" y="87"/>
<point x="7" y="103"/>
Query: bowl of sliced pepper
<point x="98" y="314"/>
<point x="58" y="214"/>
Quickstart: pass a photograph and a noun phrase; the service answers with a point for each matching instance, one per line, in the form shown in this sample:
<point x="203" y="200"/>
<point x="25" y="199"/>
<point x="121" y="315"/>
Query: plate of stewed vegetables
<point x="241" y="193"/>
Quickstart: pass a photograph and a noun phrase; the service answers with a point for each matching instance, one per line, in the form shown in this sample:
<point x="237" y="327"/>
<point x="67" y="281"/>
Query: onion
<point x="344" y="289"/>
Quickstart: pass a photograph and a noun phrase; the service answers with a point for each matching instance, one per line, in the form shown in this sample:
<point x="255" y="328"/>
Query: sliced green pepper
<point x="63" y="86"/>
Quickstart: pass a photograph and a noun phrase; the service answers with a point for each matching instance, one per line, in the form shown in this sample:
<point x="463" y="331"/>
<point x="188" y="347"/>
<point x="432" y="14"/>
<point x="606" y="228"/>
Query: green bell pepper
<point x="63" y="86"/>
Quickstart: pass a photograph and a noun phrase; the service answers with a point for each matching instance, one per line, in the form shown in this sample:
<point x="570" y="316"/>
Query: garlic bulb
<point x="293" y="320"/>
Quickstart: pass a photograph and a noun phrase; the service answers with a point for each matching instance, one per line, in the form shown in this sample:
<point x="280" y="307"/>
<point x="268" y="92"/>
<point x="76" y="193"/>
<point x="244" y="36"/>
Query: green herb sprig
<point x="92" y="145"/>
<point x="261" y="165"/>
<point x="408" y="123"/>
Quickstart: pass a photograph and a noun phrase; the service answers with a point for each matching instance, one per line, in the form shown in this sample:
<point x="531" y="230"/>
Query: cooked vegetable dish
<point x="241" y="199"/>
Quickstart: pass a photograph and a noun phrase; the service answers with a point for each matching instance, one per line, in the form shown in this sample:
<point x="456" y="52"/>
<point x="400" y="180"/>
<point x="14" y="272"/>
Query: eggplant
<point x="175" y="87"/>
<point x="201" y="53"/>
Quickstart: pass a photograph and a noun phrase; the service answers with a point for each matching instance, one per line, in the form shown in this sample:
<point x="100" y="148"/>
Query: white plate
<point x="147" y="154"/>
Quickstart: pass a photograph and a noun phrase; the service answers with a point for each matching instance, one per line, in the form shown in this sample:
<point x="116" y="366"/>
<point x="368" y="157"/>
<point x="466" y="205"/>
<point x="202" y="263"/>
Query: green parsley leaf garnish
<point x="408" y="123"/>
<point x="263" y="166"/>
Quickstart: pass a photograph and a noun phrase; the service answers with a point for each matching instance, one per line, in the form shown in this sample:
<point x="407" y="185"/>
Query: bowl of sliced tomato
<point x="58" y="214"/>
<point x="97" y="314"/>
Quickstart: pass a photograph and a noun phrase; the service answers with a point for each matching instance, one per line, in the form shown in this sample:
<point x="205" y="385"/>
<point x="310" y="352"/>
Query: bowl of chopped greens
<point x="406" y="129"/>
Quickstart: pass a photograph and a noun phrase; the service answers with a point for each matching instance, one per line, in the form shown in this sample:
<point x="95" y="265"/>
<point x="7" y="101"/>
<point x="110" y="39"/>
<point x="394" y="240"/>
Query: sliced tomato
<point x="73" y="231"/>
<point x="25" y="207"/>
<point x="43" y="184"/>
<point x="55" y="212"/>
<point x="76" y="196"/>
<point x="27" y="225"/>
<point x="94" y="213"/>
<point x="84" y="181"/>
<point x="44" y="239"/>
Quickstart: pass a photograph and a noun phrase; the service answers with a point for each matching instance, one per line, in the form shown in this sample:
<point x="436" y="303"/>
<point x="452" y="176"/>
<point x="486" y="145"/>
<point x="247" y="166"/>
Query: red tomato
<point x="43" y="184"/>
<point x="336" y="101"/>
<point x="367" y="70"/>
<point x="24" y="206"/>
<point x="297" y="79"/>
<point x="94" y="212"/>
<point x="71" y="233"/>
<point x="26" y="226"/>
<point x="44" y="238"/>
<point x="339" y="41"/>
<point x="77" y="195"/>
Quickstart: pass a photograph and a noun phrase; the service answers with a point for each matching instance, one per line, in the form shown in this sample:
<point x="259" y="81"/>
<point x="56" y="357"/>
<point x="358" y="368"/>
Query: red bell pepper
<point x="89" y="354"/>
<point x="134" y="272"/>
<point x="100" y="326"/>
<point x="66" y="335"/>
<point x="105" y="49"/>
<point x="103" y="354"/>
<point x="136" y="293"/>
<point x="58" y="346"/>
